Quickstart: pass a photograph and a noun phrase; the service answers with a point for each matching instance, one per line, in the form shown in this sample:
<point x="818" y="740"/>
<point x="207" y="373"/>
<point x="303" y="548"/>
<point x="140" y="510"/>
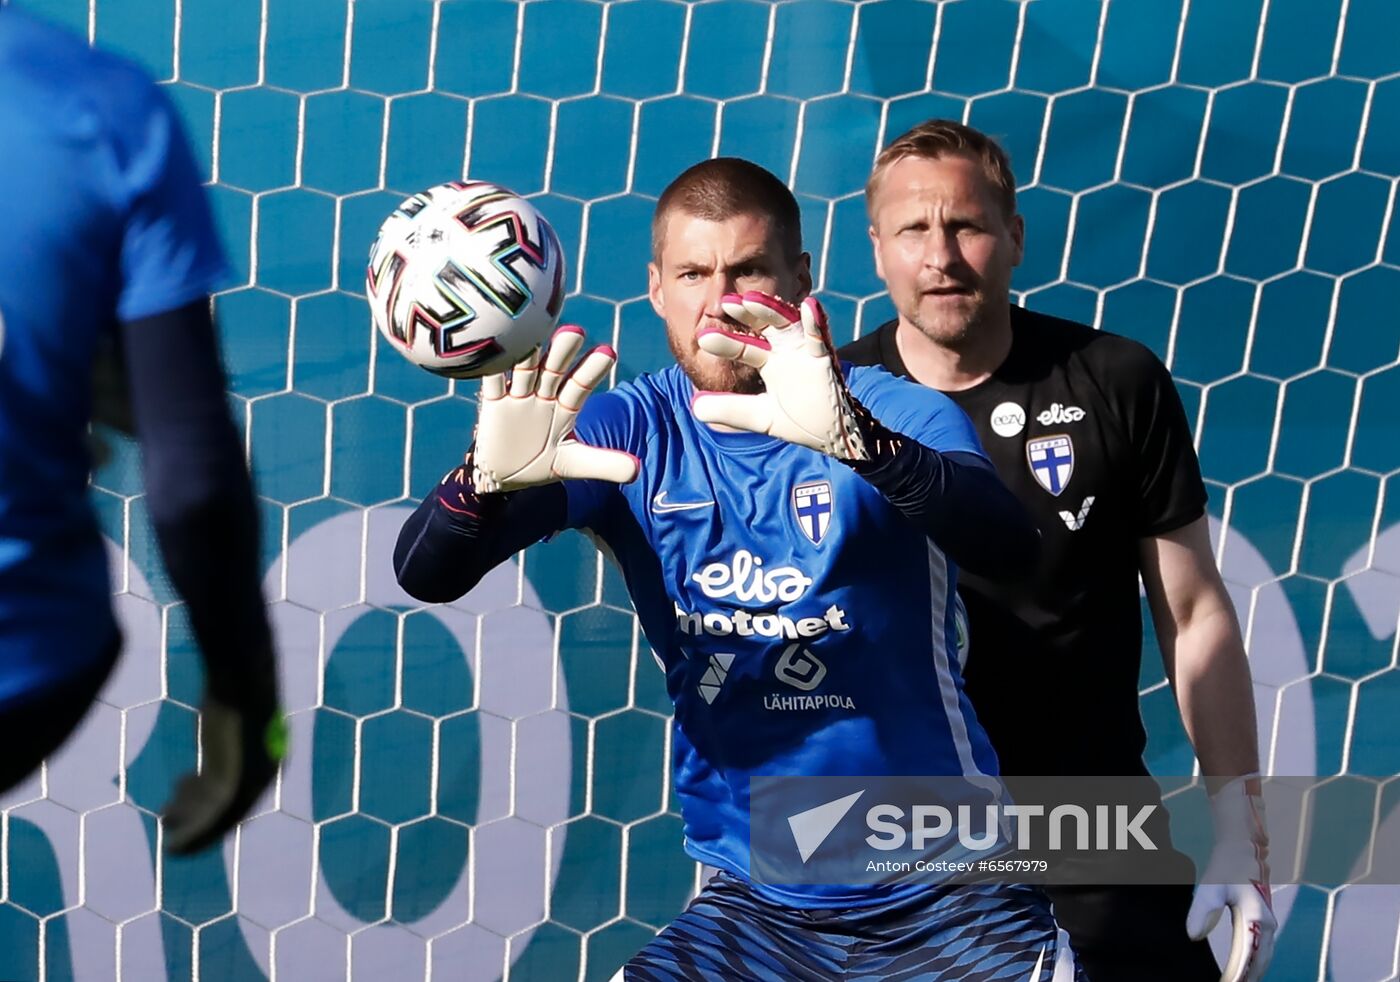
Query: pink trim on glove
<point x="752" y="339"/>
<point x="780" y="307"/>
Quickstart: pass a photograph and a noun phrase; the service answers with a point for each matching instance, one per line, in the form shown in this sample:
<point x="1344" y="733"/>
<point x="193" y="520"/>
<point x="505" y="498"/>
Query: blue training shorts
<point x="972" y="933"/>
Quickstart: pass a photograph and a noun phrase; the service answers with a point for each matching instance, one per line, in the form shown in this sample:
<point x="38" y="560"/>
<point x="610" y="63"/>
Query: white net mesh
<point x="480" y="789"/>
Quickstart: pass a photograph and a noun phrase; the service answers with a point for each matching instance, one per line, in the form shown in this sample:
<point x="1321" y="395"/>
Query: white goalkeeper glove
<point x="1237" y="876"/>
<point x="524" y="433"/>
<point x="805" y="399"/>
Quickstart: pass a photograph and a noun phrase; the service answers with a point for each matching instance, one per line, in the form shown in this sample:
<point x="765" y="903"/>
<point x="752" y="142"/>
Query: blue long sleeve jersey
<point x="108" y="245"/>
<point x="803" y="613"/>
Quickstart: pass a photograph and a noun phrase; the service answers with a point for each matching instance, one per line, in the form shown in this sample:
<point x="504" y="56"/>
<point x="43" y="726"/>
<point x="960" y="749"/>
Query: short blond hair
<point x="935" y="138"/>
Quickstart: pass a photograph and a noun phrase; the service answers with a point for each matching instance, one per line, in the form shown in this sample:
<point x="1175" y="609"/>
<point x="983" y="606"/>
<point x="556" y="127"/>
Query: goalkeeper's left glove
<point x="1237" y="876"/>
<point x="243" y="738"/>
<point x="805" y="399"/>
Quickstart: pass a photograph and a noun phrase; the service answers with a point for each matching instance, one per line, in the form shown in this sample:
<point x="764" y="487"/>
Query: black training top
<point x="1087" y="429"/>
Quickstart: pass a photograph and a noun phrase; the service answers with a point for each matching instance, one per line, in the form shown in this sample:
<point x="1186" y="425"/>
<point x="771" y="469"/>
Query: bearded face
<point x="698" y="262"/>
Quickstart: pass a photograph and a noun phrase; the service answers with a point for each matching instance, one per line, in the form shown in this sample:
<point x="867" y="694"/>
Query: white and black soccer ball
<point x="465" y="278"/>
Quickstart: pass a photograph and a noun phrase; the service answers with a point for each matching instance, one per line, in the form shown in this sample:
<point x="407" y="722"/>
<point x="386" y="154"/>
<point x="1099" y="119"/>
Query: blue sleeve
<point x="927" y="462"/>
<point x="613" y="420"/>
<point x="170" y="253"/>
<point x="914" y="410"/>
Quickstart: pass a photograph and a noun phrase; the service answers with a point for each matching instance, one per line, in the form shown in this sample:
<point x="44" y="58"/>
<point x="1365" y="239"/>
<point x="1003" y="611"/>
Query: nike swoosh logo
<point x="1035" y="972"/>
<point x="661" y="506"/>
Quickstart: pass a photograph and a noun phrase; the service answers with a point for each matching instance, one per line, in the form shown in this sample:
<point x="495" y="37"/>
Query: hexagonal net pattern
<point x="480" y="789"/>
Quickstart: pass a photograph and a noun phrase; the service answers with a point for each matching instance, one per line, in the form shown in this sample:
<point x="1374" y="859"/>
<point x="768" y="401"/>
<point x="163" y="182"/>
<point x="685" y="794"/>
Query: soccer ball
<point x="465" y="278"/>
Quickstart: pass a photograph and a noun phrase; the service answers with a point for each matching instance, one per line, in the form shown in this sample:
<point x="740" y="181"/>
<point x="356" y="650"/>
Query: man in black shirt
<point x="1089" y="432"/>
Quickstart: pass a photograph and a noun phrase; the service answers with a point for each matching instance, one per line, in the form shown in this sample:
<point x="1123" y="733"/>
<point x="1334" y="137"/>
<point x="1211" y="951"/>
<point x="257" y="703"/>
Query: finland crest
<point x="812" y="502"/>
<point x="1052" y="461"/>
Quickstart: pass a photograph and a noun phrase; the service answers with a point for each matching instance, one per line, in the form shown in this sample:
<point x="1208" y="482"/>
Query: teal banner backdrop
<point x="480" y="790"/>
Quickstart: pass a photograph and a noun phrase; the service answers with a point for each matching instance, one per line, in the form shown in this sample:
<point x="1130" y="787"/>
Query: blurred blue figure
<point x="108" y="247"/>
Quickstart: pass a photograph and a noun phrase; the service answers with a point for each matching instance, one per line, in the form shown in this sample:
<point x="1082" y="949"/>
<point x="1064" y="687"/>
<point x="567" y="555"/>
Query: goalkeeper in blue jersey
<point x="108" y="245"/>
<point x="790" y="531"/>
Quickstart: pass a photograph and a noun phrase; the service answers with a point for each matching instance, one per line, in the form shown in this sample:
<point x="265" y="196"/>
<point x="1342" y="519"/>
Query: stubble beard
<point x="952" y="329"/>
<point x="709" y="373"/>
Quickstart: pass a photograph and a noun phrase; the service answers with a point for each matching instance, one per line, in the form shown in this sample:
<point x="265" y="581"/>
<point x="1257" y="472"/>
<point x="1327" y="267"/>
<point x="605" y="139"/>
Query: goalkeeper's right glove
<point x="524" y="434"/>
<point x="805" y="399"/>
<point x="243" y="738"/>
<point x="1237" y="876"/>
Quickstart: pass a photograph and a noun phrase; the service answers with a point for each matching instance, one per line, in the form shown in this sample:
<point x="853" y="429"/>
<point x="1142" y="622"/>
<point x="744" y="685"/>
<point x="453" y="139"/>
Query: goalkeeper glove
<point x="524" y="434"/>
<point x="1237" y="876"/>
<point x="805" y="399"/>
<point x="243" y="738"/>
